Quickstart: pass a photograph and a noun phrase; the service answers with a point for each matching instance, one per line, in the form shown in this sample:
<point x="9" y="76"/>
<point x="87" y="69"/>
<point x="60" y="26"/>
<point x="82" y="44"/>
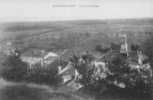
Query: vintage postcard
<point x="76" y="49"/>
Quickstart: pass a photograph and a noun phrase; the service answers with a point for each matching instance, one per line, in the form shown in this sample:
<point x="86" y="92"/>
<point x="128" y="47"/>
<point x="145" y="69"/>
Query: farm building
<point x="50" y="57"/>
<point x="35" y="56"/>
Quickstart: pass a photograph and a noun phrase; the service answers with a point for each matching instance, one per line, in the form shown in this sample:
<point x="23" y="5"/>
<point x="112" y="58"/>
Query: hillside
<point x="78" y="35"/>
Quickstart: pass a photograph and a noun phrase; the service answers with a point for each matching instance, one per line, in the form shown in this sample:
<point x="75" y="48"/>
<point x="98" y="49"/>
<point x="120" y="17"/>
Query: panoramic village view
<point x="76" y="49"/>
<point x="77" y="60"/>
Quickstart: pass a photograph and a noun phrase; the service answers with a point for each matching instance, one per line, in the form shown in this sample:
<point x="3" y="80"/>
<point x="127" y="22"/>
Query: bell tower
<point x="124" y="44"/>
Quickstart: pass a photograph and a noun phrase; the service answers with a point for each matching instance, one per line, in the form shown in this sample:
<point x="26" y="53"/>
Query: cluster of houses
<point x="31" y="56"/>
<point x="42" y="57"/>
<point x="35" y="56"/>
<point x="135" y="59"/>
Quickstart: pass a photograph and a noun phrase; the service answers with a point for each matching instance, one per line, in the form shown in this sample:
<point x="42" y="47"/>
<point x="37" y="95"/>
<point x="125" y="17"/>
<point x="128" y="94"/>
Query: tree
<point x="135" y="47"/>
<point x="114" y="46"/>
<point x="44" y="75"/>
<point x="148" y="48"/>
<point x="101" y="49"/>
<point x="13" y="68"/>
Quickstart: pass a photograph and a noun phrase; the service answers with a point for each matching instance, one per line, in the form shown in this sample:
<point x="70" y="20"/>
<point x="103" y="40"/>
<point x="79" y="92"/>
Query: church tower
<point x="124" y="44"/>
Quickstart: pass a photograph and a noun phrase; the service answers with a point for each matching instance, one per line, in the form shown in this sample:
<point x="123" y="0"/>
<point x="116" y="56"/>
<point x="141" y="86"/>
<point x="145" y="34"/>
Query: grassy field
<point x="24" y="91"/>
<point x="76" y="35"/>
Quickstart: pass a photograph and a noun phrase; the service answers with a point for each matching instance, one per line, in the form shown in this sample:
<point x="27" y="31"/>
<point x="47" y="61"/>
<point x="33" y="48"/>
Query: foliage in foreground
<point x="42" y="75"/>
<point x="14" y="69"/>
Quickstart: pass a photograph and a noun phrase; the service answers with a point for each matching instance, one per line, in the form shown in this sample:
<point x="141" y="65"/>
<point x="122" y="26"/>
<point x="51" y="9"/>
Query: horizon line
<point x="63" y="20"/>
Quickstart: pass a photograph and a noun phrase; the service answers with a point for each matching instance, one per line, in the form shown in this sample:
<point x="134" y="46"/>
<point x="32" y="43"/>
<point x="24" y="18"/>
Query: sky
<point x="52" y="10"/>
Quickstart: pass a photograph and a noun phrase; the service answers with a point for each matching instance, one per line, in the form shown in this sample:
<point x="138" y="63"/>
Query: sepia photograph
<point x="76" y="49"/>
